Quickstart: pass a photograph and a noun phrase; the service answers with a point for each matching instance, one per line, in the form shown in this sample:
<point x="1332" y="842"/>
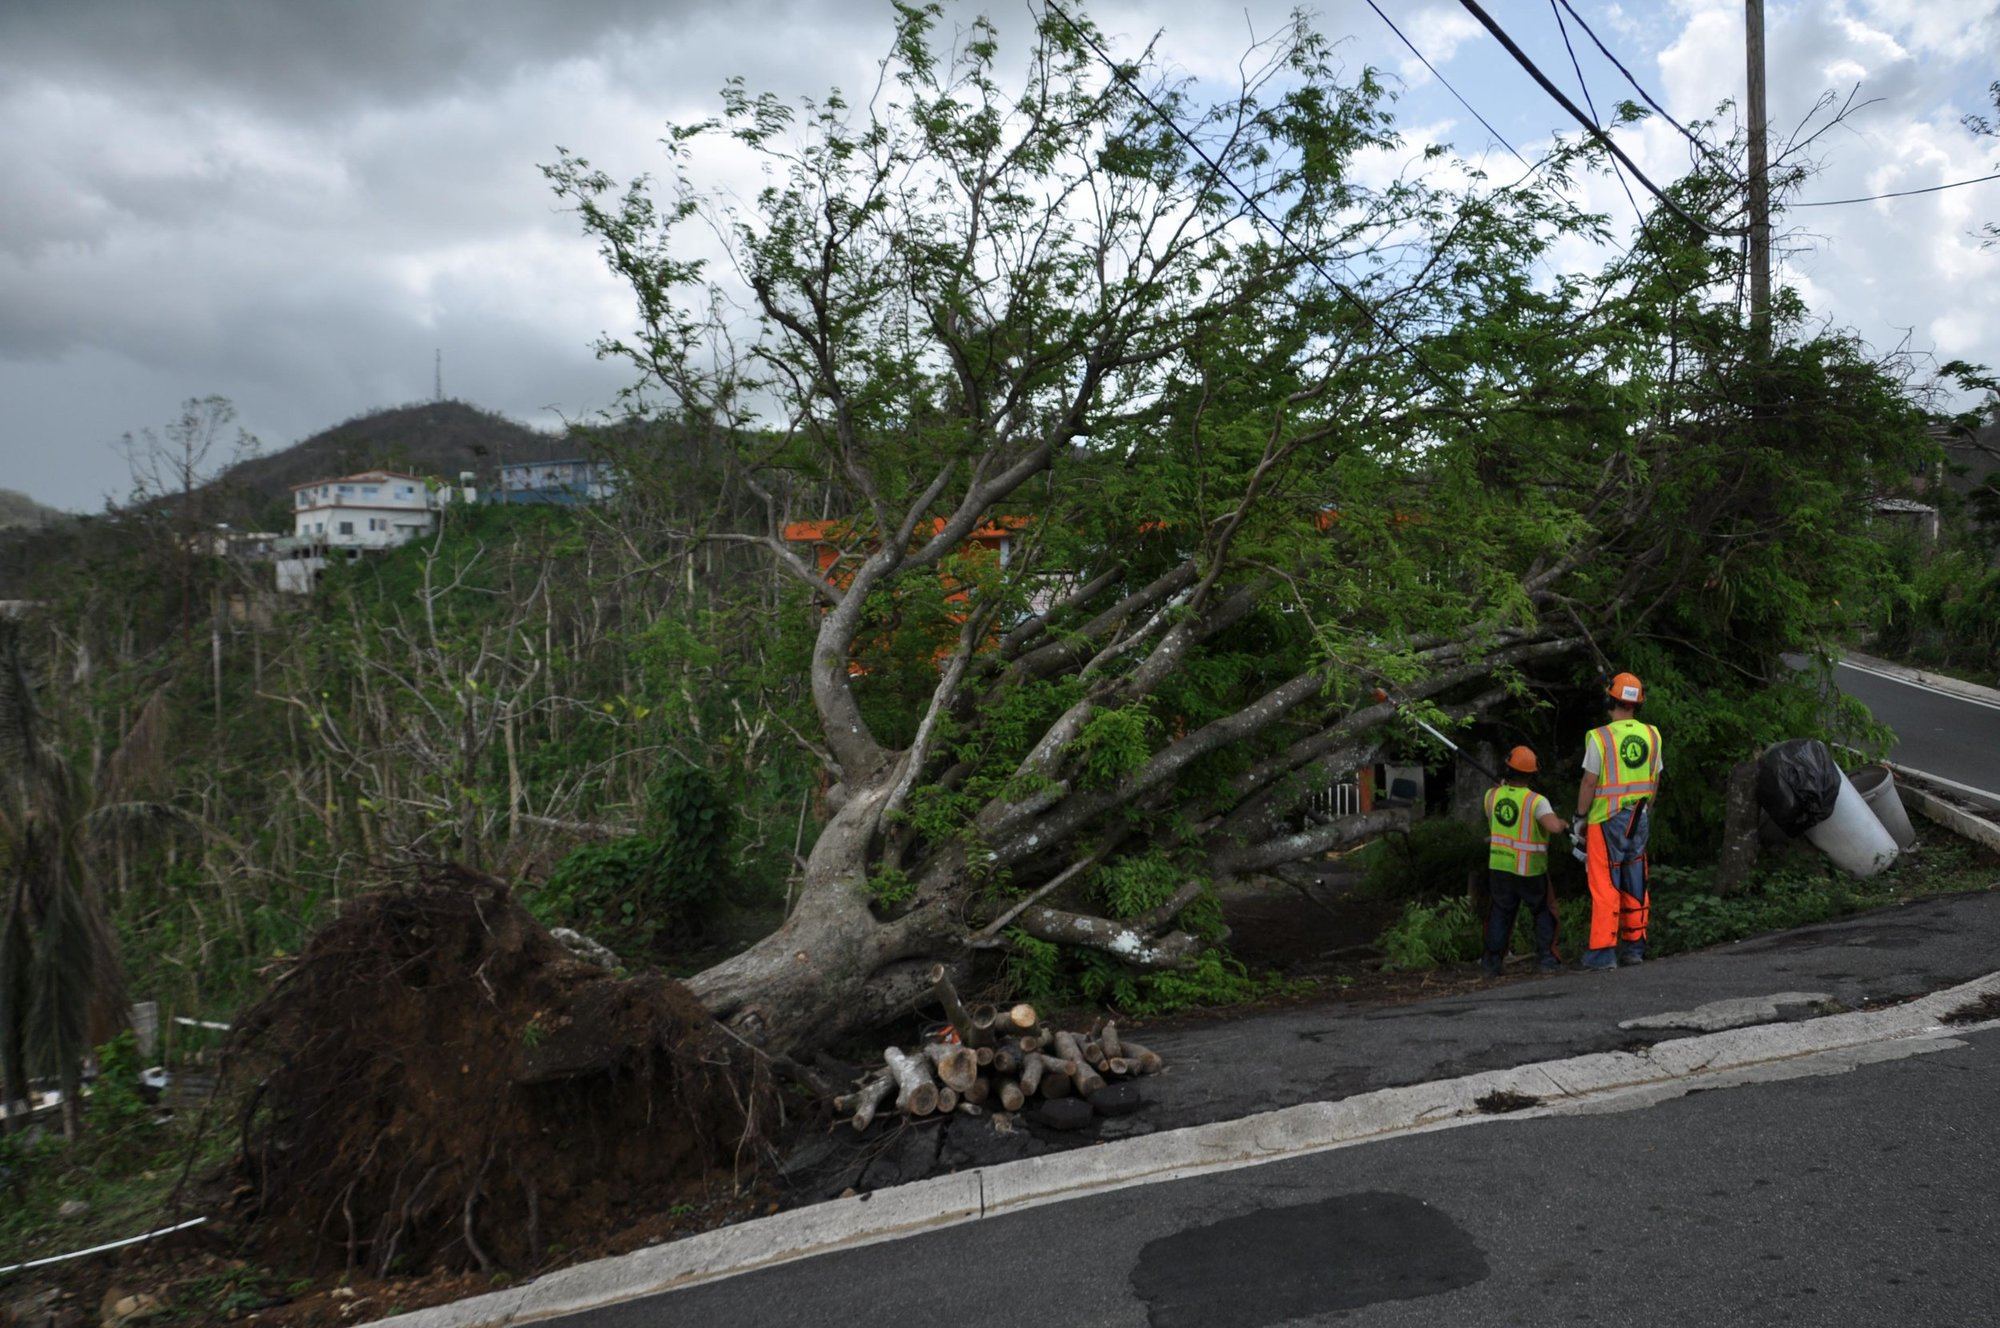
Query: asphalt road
<point x="1871" y="1197"/>
<point x="1944" y="735"/>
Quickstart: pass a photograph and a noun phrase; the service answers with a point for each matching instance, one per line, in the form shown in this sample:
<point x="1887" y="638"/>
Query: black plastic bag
<point x="1797" y="782"/>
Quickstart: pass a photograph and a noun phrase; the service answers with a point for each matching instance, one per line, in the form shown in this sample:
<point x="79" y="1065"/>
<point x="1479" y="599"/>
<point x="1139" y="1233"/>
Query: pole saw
<point x="1576" y="847"/>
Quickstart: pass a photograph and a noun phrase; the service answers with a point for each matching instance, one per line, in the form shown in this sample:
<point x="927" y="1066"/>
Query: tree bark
<point x="1739" y="829"/>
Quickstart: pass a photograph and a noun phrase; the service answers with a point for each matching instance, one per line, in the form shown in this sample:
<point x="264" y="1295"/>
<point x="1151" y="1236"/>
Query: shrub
<point x="1432" y="859"/>
<point x="654" y="890"/>
<point x="1432" y="935"/>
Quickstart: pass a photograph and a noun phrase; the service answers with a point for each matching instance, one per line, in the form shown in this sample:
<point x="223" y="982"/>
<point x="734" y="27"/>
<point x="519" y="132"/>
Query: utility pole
<point x="437" y="371"/>
<point x="1760" y="182"/>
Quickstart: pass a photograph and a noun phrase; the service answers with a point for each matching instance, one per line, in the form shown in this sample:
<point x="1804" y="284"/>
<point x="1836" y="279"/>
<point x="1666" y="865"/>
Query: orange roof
<point x="834" y="532"/>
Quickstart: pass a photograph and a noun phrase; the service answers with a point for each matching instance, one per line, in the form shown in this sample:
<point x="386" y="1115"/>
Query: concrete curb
<point x="1955" y="819"/>
<point x="1577" y="1083"/>
<point x="1937" y="682"/>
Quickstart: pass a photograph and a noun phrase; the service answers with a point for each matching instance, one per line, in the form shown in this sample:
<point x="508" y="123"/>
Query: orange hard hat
<point x="1627" y="689"/>
<point x="1522" y="761"/>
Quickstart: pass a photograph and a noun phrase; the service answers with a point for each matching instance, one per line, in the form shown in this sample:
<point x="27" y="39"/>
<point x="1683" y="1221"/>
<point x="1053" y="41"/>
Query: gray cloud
<point x="293" y="203"/>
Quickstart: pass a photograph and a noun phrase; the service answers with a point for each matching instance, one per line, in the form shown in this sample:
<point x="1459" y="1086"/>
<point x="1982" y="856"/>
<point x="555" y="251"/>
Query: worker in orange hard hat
<point x="1519" y="822"/>
<point x="1621" y="778"/>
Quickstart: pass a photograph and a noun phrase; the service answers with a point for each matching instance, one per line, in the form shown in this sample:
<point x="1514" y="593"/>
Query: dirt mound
<point x="439" y="1084"/>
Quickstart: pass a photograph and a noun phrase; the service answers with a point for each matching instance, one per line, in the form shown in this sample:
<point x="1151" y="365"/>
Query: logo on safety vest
<point x="1507" y="813"/>
<point x="1632" y="750"/>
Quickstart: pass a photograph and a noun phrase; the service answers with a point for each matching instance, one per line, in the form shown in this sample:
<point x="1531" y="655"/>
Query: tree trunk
<point x="1739" y="829"/>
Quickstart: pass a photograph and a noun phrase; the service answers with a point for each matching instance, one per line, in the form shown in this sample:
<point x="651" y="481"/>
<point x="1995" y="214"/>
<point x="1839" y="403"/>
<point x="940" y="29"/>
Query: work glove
<point x="1577" y="851"/>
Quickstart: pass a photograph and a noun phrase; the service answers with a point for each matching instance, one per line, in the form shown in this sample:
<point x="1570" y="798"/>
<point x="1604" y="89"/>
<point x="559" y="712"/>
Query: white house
<point x="570" y="482"/>
<point x="374" y="509"/>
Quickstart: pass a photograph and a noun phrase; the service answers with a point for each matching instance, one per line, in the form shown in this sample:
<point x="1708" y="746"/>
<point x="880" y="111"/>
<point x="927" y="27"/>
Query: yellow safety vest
<point x="1628" y="766"/>
<point x="1515" y="840"/>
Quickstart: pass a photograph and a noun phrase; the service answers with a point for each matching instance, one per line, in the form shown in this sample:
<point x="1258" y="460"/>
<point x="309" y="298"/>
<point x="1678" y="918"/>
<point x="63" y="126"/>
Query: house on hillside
<point x="351" y="514"/>
<point x="568" y="482"/>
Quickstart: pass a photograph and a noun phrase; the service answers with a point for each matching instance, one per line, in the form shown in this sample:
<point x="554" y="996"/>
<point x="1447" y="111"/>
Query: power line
<point x="1637" y="86"/>
<point x="1447" y="83"/>
<point x="1119" y="72"/>
<point x="1901" y="193"/>
<point x="1576" y="112"/>
<point x="1591" y="102"/>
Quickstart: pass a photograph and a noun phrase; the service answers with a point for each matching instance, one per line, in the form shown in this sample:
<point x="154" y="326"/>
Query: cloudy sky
<point x="293" y="203"/>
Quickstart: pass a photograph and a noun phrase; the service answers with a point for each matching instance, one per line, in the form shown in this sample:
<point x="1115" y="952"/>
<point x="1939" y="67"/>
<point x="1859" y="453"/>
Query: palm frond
<point x="139" y="762"/>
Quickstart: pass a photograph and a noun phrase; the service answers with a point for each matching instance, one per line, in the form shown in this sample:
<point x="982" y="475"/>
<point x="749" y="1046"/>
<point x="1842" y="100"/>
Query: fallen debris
<point x="996" y="1059"/>
<point x="1501" y="1101"/>
<point x="1975" y="1012"/>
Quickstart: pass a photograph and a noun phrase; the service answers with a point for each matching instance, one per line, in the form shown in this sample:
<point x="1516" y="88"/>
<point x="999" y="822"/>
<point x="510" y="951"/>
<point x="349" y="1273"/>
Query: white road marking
<point x="1920" y="686"/>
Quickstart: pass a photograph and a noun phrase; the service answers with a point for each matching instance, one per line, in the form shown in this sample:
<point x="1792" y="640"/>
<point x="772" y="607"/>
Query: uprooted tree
<point x="1163" y="432"/>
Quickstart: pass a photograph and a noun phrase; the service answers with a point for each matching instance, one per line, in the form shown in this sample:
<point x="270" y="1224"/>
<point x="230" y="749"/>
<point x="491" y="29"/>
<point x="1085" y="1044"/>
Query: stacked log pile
<point x="997" y="1060"/>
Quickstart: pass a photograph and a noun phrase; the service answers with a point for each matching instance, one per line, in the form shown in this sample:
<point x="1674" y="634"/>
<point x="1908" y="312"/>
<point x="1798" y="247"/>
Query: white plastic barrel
<point x="1878" y="787"/>
<point x="1852" y="836"/>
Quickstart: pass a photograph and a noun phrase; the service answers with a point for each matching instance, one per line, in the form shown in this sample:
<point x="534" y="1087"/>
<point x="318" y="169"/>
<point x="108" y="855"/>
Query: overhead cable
<point x="1901" y="193"/>
<point x="1637" y="86"/>
<point x="1576" y="112"/>
<point x="1447" y="83"/>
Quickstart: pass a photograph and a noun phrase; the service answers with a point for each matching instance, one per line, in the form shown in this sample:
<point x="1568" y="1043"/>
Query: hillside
<point x="19" y="511"/>
<point x="434" y="438"/>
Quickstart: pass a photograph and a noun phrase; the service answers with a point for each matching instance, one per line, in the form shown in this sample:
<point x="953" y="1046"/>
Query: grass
<point x="1795" y="891"/>
<point x="125" y="1167"/>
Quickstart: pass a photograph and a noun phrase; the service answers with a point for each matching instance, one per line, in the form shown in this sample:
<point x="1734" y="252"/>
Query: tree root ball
<point x="438" y="1084"/>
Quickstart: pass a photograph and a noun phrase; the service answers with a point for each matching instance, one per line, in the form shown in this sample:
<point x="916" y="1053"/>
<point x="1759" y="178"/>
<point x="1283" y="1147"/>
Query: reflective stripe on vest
<point x="1523" y="847"/>
<point x="1621" y="783"/>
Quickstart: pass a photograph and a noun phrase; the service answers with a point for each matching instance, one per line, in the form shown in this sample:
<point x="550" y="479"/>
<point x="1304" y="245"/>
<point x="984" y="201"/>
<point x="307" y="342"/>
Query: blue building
<point x="572" y="482"/>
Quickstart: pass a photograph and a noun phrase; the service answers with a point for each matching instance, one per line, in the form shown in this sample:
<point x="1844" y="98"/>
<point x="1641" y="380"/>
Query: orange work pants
<point x="1619" y="899"/>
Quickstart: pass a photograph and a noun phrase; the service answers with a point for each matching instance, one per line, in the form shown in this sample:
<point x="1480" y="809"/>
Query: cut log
<point x="971" y="1109"/>
<point x="1006" y="1059"/>
<point x="982" y="1088"/>
<point x="866" y="1100"/>
<point x="1011" y="1096"/>
<point x="1058" y="1065"/>
<point x="957" y="1066"/>
<point x="1093" y="1053"/>
<point x="1032" y="1070"/>
<point x="1117" y="1065"/>
<point x="984" y="1055"/>
<point x="985" y="1016"/>
<point x="1145" y="1062"/>
<point x="1086" y="1079"/>
<point x="1023" y="1016"/>
<point x="917" y="1093"/>
<point x="1107" y="1037"/>
<point x="1002" y="1123"/>
<point x="947" y="1101"/>
<point x="969" y="1033"/>
<point x="1056" y="1084"/>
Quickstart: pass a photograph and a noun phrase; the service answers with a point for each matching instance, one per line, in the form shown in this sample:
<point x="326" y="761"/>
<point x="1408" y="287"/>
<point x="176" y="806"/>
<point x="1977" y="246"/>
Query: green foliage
<point x="1687" y="915"/>
<point x="1432" y="858"/>
<point x="890" y="887"/>
<point x="1133" y="884"/>
<point x="1113" y="744"/>
<point x="116" y="1108"/>
<point x="1052" y="977"/>
<point x="1947" y="615"/>
<point x="1431" y="935"/>
<point x="652" y="891"/>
